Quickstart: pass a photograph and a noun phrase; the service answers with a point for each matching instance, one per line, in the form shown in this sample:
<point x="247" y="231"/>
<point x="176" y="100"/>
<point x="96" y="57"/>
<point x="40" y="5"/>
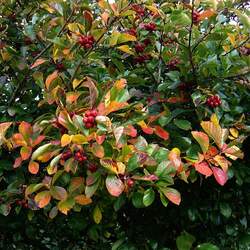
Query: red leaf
<point x="145" y="128"/>
<point x="203" y="168"/>
<point x="130" y="130"/>
<point x="114" y="185"/>
<point x="161" y="132"/>
<point x="18" y="162"/>
<point x="220" y="176"/>
<point x="26" y="130"/>
<point x="38" y="62"/>
<point x="38" y="140"/>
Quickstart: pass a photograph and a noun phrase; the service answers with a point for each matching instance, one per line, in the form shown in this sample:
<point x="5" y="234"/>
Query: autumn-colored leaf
<point x="100" y="138"/>
<point x="66" y="205"/>
<point x="18" y="140"/>
<point x="202" y="139"/>
<point x="33" y="167"/>
<point x="76" y="184"/>
<point x="222" y="162"/>
<point x="25" y="129"/>
<point x="203" y="168"/>
<point x="3" y="129"/>
<point x="114" y="185"/>
<point x="234" y="153"/>
<point x="83" y="200"/>
<point x="206" y="14"/>
<point x="97" y="215"/>
<point x="51" y="78"/>
<point x="174" y="157"/>
<point x="130" y="130"/>
<point x="43" y="198"/>
<point x="66" y="140"/>
<point x="97" y="150"/>
<point x="79" y="139"/>
<point x="18" y="162"/>
<point x="173" y="195"/>
<point x="220" y="176"/>
<point x="145" y="128"/>
<point x="38" y="140"/>
<point x="126" y="49"/>
<point x="25" y="153"/>
<point x="161" y="132"/>
<point x="58" y="193"/>
<point x="38" y="62"/>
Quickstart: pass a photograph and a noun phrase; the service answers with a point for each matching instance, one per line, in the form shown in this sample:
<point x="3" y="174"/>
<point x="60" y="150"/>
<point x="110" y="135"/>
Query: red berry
<point x="139" y="47"/>
<point x="149" y="26"/>
<point x="86" y="41"/>
<point x="88" y="125"/>
<point x="196" y="16"/>
<point x="88" y="113"/>
<point x="132" y="32"/>
<point x="147" y="41"/>
<point x="60" y="67"/>
<point x="85" y="119"/>
<point x="138" y="9"/>
<point x="91" y="119"/>
<point x="94" y="112"/>
<point x="130" y="182"/>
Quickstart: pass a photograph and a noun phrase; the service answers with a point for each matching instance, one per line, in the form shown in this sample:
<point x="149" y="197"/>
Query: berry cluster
<point x="89" y="118"/>
<point x="80" y="156"/>
<point x="22" y="203"/>
<point x="86" y="41"/>
<point x="146" y="41"/>
<point x="66" y="155"/>
<point x="132" y="32"/>
<point x="92" y="167"/>
<point x="60" y="67"/>
<point x="196" y="17"/>
<point x="141" y="59"/>
<point x="140" y="11"/>
<point x="173" y="63"/>
<point x="139" y="47"/>
<point x="149" y="26"/>
<point x="130" y="182"/>
<point x="214" y="101"/>
<point x="125" y="178"/>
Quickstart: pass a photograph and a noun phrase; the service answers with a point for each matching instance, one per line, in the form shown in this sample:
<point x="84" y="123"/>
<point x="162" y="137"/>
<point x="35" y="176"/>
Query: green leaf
<point x="185" y="241"/>
<point x="133" y="163"/>
<point x="225" y="210"/>
<point x="207" y="246"/>
<point x="148" y="197"/>
<point x="137" y="200"/>
<point x="183" y="124"/>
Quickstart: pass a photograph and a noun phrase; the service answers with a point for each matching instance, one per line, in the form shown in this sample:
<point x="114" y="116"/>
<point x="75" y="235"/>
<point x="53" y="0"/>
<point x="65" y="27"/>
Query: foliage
<point x="137" y="102"/>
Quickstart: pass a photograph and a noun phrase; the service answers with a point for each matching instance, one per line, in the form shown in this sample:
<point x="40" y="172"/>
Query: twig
<point x="237" y="47"/>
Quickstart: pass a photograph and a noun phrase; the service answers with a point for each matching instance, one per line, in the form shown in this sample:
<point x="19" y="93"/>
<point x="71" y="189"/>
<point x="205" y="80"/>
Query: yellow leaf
<point x="234" y="132"/>
<point x="214" y="119"/>
<point x="79" y="139"/>
<point x="65" y="140"/>
<point x="38" y="62"/>
<point x="126" y="49"/>
<point x="83" y="200"/>
<point x="97" y="215"/>
<point x="231" y="38"/>
<point x="76" y="83"/>
<point x="33" y="167"/>
<point x="3" y="129"/>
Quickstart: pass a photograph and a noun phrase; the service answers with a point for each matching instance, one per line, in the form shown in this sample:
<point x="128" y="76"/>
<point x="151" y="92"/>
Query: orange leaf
<point x="43" y="198"/>
<point x="161" y="132"/>
<point x="18" y="162"/>
<point x="26" y="130"/>
<point x="98" y="150"/>
<point x="130" y="130"/>
<point x="18" y="140"/>
<point x="203" y="168"/>
<point x="222" y="161"/>
<point x="33" y="167"/>
<point x="206" y="14"/>
<point x="173" y="195"/>
<point x="38" y="140"/>
<point x="83" y="200"/>
<point x="38" y="62"/>
<point x="100" y="138"/>
<point x="25" y="153"/>
<point x="114" y="106"/>
<point x="51" y="78"/>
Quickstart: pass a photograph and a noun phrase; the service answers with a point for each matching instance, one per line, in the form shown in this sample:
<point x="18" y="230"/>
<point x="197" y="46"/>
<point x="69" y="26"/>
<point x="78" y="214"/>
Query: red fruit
<point x="88" y="113"/>
<point x="85" y="119"/>
<point x="60" y="67"/>
<point x="86" y="41"/>
<point x="213" y="101"/>
<point x="88" y="125"/>
<point x="94" y="112"/>
<point x="149" y="26"/>
<point x="130" y="183"/>
<point x="139" y="47"/>
<point x="91" y="119"/>
<point x="196" y="16"/>
<point x="140" y="11"/>
<point x="132" y="32"/>
<point x="173" y="63"/>
<point x="147" y="41"/>
<point x="141" y="59"/>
